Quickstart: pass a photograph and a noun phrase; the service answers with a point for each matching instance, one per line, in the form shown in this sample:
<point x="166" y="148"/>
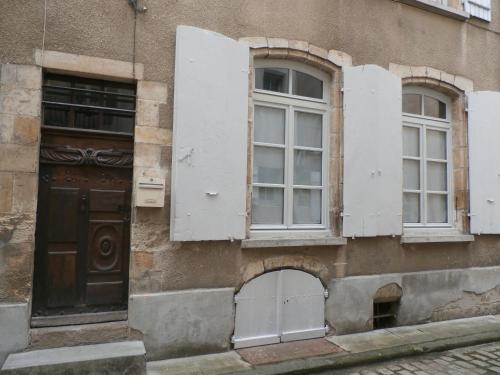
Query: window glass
<point x="411" y="141"/>
<point x="307" y="168"/>
<point x="434" y="107"/>
<point x="436" y="176"/>
<point x="411" y="174"/>
<point x="437" y="208"/>
<point x="288" y="149"/>
<point x="306" y="206"/>
<point x="411" y="207"/>
<point x="426" y="191"/>
<point x="269" y="125"/>
<point x="91" y="104"/>
<point x="412" y="103"/>
<point x="272" y="79"/>
<point x="436" y="144"/>
<point x="306" y="85"/>
<point x="268" y="165"/>
<point x="308" y="129"/>
<point x="267" y="205"/>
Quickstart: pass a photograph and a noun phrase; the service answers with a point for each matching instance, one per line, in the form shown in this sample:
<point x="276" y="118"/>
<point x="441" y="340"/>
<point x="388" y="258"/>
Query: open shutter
<point x="373" y="164"/>
<point x="484" y="161"/>
<point x="478" y="8"/>
<point x="209" y="153"/>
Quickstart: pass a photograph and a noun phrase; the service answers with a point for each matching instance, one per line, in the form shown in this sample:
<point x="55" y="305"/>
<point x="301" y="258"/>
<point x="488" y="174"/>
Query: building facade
<point x="208" y="175"/>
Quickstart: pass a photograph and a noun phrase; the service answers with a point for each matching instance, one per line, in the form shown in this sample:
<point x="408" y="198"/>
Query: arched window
<point x="290" y="140"/>
<point x="427" y="177"/>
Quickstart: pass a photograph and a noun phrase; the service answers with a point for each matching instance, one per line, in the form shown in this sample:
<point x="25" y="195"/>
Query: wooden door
<point x="83" y="222"/>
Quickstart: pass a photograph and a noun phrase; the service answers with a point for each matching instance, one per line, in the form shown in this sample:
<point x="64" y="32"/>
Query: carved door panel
<point x="83" y="223"/>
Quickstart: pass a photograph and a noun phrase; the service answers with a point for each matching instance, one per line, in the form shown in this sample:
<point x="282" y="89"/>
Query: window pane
<point x="308" y="129"/>
<point x="87" y="119"/>
<point x="123" y="123"/>
<point x="269" y="125"/>
<point x="306" y="206"/>
<point x="307" y="85"/>
<point x="268" y="165"/>
<point x="412" y="103"/>
<point x="437" y="208"/>
<point x="272" y="79"/>
<point x="57" y="95"/>
<point x="411" y="141"/>
<point x="307" y="168"/>
<point x="436" y="144"/>
<point x="267" y="205"/>
<point x="411" y="174"/>
<point x="434" y="107"/>
<point x="436" y="176"/>
<point x="55" y="116"/>
<point x="411" y="207"/>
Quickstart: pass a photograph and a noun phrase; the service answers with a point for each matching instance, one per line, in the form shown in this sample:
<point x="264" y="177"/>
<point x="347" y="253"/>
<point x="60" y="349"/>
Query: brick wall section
<point x="20" y="103"/>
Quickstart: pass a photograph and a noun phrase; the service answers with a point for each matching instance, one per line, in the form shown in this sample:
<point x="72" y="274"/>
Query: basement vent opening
<point x="385" y="314"/>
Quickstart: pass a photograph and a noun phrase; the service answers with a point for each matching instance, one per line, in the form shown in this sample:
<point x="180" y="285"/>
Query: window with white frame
<point x="427" y="180"/>
<point x="290" y="138"/>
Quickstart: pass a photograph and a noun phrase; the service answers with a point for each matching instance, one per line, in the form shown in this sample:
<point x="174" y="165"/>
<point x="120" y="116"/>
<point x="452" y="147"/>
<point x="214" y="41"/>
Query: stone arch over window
<point x="279" y="306"/>
<point x="455" y="88"/>
<point x="328" y="61"/>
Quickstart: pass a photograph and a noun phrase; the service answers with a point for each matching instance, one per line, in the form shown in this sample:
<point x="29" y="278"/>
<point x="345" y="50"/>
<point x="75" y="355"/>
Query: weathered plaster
<point x="426" y="296"/>
<point x="183" y="323"/>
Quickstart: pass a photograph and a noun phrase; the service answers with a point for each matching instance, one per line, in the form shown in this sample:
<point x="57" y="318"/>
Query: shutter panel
<point x="484" y="161"/>
<point x="209" y="153"/>
<point x="373" y="164"/>
<point x="257" y="312"/>
<point x="479" y="8"/>
<point x="303" y="309"/>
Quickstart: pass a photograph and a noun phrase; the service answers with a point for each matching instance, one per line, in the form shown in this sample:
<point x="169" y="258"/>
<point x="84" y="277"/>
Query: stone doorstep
<point x="68" y="359"/>
<point x="359" y="348"/>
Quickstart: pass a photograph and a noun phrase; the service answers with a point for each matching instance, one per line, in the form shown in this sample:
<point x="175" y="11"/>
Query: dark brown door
<point x="83" y="222"/>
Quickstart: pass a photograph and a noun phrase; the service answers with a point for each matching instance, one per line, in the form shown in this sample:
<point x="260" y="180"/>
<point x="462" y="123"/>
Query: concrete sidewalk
<point x="334" y="352"/>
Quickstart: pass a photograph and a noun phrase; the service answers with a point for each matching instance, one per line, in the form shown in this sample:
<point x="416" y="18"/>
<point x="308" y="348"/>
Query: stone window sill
<point x="434" y="7"/>
<point x="262" y="241"/>
<point x="435" y="237"/>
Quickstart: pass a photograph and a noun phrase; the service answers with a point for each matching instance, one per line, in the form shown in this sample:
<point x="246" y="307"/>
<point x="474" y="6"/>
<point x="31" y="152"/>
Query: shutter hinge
<point x="232" y="340"/>
<point x="326" y="293"/>
<point x="236" y="298"/>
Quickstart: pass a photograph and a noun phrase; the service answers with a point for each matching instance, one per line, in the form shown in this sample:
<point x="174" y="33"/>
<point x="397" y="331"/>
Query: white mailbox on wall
<point x="150" y="192"/>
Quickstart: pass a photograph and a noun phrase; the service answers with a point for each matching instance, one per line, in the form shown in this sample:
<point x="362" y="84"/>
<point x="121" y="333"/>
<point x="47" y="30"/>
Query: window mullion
<point x="290" y="160"/>
<point x="423" y="174"/>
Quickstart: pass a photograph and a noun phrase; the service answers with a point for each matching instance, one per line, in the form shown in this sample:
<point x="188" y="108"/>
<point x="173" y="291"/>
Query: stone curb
<point x="343" y="360"/>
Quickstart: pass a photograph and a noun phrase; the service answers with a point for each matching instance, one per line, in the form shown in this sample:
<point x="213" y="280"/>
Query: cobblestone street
<point x="481" y="359"/>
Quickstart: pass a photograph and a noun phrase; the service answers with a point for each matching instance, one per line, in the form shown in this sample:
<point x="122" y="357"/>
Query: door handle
<point x="83" y="203"/>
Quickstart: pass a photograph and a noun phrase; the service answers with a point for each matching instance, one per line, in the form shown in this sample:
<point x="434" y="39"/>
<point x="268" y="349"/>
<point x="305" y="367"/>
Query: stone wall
<point x="20" y="105"/>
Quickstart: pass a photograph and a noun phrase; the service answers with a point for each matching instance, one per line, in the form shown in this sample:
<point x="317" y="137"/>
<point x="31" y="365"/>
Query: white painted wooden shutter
<point x="303" y="308"/>
<point x="279" y="306"/>
<point x="484" y="161"/>
<point x="257" y="312"/>
<point x="373" y="165"/>
<point x="478" y="8"/>
<point x="209" y="153"/>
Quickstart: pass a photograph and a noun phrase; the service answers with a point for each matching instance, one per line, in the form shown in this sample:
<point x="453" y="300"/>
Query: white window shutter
<point x="373" y="164"/>
<point x="209" y="153"/>
<point x="478" y="8"/>
<point x="484" y="162"/>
